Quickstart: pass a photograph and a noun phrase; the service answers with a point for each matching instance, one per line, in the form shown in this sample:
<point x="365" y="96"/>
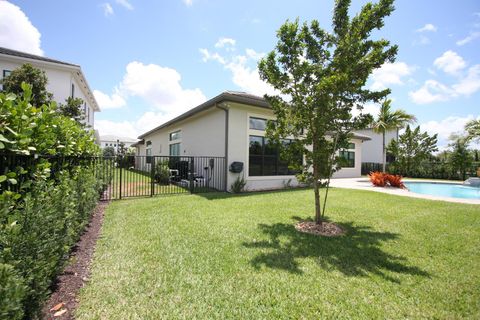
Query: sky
<point x="149" y="61"/>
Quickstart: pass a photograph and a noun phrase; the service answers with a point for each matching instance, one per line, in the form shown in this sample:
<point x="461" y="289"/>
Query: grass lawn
<point x="221" y="256"/>
<point x="135" y="183"/>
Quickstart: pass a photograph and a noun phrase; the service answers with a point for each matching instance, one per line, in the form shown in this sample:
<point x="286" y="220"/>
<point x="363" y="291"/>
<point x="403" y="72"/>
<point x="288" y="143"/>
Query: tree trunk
<point x="316" y="189"/>
<point x="384" y="156"/>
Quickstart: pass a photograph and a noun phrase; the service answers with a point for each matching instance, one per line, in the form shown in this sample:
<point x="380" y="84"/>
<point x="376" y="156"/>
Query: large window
<point x="264" y="158"/>
<point x="348" y="156"/>
<point x="175" y="149"/>
<point x="175" y="135"/>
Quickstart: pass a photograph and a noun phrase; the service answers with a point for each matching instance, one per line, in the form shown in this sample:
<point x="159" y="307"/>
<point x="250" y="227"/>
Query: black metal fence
<point x="428" y="170"/>
<point x="136" y="176"/>
<point x="127" y="176"/>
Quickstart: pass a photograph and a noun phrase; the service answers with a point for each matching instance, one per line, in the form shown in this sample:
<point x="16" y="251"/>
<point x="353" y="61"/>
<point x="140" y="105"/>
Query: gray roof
<point x="233" y="96"/>
<point x="20" y="54"/>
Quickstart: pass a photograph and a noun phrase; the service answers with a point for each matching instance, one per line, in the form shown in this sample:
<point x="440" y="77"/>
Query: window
<point x="258" y="123"/>
<point x="264" y="158"/>
<point x="175" y="149"/>
<point x="348" y="156"/>
<point x="73" y="90"/>
<point x="6" y="73"/>
<point x="148" y="152"/>
<point x="176" y="135"/>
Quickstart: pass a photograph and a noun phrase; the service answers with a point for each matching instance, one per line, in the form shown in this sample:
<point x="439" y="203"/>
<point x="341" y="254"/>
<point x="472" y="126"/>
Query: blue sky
<point x="148" y="61"/>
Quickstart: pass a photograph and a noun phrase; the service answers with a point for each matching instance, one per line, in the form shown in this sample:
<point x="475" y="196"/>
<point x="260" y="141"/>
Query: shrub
<point x="395" y="181"/>
<point x="45" y="201"/>
<point x="238" y="185"/>
<point x="12" y="293"/>
<point x="380" y="179"/>
<point x="37" y="233"/>
<point x="162" y="172"/>
<point x="377" y="178"/>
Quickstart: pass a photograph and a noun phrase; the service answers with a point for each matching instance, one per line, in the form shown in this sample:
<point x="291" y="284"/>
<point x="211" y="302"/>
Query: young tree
<point x="35" y="77"/>
<point x="73" y="109"/>
<point x="390" y="120"/>
<point x="320" y="77"/>
<point x="108" y="152"/>
<point x="412" y="148"/>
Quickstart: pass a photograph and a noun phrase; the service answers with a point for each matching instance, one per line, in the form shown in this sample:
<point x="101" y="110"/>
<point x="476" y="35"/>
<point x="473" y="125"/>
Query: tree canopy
<point x="36" y="78"/>
<point x="320" y="77"/>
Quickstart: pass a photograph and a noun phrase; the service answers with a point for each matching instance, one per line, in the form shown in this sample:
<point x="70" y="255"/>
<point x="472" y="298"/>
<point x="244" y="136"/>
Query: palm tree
<point x="389" y="120"/>
<point x="473" y="130"/>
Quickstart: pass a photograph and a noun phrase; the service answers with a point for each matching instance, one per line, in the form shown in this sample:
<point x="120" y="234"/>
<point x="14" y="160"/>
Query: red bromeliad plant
<point x="377" y="178"/>
<point x="395" y="181"/>
<point x="380" y="179"/>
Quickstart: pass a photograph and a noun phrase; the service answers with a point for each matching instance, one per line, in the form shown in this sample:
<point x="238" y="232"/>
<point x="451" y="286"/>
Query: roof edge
<point x="224" y="96"/>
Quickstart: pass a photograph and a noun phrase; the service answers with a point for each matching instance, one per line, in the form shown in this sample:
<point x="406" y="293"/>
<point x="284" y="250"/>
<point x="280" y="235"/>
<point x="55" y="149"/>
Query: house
<point x="372" y="150"/>
<point x="115" y="141"/>
<point x="64" y="79"/>
<point x="232" y="125"/>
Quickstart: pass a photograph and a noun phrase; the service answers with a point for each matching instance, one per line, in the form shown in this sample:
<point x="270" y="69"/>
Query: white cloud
<point x="207" y="55"/>
<point x="107" y="9"/>
<point x="16" y="30"/>
<point x="124" y="3"/>
<point x="390" y="73"/>
<point x="472" y="36"/>
<point x="432" y="91"/>
<point x="471" y="83"/>
<point x="225" y="41"/>
<point x="450" y="62"/>
<point x="159" y="86"/>
<point x="120" y="129"/>
<point x="109" y="102"/>
<point x="444" y="128"/>
<point x="427" y="28"/>
<point x="244" y="75"/>
<point x="188" y="3"/>
<point x="371" y="108"/>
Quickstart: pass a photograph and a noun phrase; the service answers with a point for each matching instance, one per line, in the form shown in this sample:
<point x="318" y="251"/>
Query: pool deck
<point x="365" y="184"/>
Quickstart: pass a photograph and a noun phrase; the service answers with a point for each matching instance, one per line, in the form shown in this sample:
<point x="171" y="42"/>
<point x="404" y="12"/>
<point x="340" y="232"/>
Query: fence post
<point x="120" y="186"/>
<point x="152" y="176"/>
<point x="191" y="175"/>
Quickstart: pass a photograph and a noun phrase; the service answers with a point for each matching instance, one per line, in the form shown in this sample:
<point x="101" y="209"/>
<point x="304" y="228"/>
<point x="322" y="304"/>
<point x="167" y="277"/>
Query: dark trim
<point x="20" y="54"/>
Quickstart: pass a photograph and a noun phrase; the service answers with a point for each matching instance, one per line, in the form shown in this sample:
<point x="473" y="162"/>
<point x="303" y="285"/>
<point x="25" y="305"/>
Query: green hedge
<point x="36" y="235"/>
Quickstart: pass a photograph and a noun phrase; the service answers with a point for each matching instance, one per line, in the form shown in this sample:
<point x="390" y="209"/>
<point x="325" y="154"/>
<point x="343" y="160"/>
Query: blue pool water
<point x="444" y="190"/>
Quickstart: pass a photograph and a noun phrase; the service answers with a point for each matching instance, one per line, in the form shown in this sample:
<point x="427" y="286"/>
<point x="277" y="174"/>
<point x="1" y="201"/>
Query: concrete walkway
<point x="365" y="184"/>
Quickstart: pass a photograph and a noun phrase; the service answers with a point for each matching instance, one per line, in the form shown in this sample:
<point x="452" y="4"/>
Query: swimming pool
<point x="452" y="190"/>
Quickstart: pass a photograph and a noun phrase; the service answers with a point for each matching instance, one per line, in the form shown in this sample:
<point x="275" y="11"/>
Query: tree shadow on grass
<point x="357" y="253"/>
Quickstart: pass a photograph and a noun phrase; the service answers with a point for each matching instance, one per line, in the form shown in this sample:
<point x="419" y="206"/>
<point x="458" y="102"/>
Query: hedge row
<point x="36" y="235"/>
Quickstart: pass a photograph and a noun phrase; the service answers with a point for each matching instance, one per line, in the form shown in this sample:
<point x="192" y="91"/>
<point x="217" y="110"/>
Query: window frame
<point x="349" y="155"/>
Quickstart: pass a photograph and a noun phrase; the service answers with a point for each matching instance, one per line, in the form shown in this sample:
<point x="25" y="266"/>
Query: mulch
<point x="326" y="229"/>
<point x="64" y="300"/>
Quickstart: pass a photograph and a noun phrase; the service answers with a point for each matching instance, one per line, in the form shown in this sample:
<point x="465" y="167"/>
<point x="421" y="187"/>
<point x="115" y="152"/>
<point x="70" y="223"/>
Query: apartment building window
<point x="174" y="149"/>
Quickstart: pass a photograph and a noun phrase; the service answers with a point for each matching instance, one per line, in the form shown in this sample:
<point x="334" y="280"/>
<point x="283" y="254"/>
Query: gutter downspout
<point x="227" y="116"/>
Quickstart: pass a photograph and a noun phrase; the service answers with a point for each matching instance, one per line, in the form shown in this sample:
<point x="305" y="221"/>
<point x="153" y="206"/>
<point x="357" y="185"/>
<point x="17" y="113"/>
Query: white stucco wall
<point x="372" y="150"/>
<point x="203" y="135"/>
<point x="59" y="84"/>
